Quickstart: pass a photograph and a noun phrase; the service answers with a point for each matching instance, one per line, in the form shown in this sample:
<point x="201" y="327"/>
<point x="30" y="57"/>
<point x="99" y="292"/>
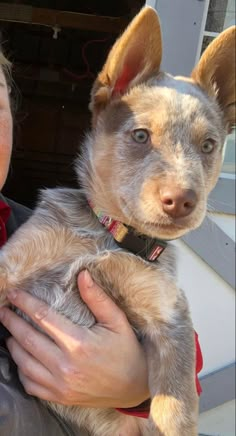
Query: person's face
<point x="5" y="130"/>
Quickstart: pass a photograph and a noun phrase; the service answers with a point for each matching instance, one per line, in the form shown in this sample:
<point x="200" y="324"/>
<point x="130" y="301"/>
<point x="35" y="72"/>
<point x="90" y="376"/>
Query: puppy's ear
<point x="215" y="73"/>
<point x="135" y="56"/>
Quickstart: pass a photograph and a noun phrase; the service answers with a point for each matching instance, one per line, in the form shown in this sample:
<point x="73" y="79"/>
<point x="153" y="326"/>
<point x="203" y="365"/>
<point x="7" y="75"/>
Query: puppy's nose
<point x="177" y="202"/>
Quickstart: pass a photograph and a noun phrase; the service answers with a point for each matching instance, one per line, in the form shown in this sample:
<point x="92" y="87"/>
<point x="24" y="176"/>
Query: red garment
<point x="5" y="211"/>
<point x="199" y="363"/>
<point x="142" y="411"/>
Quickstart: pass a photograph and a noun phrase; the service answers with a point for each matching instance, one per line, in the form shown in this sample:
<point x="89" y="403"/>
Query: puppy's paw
<point x="170" y="416"/>
<point x="3" y="286"/>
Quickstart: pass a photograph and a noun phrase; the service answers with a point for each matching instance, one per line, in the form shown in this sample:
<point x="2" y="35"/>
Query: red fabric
<point x="142" y="411"/>
<point x="5" y="211"/>
<point x="199" y="363"/>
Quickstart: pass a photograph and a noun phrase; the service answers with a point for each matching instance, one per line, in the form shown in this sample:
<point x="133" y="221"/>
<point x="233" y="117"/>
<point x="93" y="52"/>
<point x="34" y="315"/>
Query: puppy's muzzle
<point x="177" y="202"/>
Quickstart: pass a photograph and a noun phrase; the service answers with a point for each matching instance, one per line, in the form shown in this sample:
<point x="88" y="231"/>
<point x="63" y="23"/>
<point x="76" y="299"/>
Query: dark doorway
<point x="57" y="49"/>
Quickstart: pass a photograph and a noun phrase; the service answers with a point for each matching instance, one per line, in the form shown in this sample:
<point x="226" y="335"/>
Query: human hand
<point x="103" y="366"/>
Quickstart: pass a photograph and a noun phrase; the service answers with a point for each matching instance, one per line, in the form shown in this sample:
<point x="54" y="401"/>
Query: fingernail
<point x="88" y="279"/>
<point x="12" y="294"/>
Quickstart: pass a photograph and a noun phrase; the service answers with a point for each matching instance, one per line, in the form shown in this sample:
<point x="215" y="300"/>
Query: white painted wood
<point x="182" y="23"/>
<point x="212" y="304"/>
<point x="213" y="34"/>
<point x="225" y="222"/>
<point x="152" y="3"/>
<point x="219" y="421"/>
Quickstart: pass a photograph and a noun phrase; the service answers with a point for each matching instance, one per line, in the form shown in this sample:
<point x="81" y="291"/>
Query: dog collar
<point x="144" y="246"/>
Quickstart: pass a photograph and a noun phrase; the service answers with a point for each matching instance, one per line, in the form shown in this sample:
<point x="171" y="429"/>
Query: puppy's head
<point x="157" y="143"/>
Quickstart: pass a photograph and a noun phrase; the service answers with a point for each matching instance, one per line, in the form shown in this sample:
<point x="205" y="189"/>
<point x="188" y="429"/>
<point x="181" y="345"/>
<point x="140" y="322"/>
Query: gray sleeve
<point x="21" y="414"/>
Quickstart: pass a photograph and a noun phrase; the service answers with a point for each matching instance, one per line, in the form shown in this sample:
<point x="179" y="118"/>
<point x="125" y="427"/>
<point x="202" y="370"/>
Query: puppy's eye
<point x="140" y="136"/>
<point x="208" y="146"/>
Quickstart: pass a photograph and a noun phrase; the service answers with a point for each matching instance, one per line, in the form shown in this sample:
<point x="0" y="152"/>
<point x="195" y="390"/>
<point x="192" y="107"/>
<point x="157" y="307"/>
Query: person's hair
<point x="5" y="64"/>
<point x="6" y="67"/>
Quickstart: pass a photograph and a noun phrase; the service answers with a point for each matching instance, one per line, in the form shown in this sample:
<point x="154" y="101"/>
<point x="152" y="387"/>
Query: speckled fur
<point x="123" y="179"/>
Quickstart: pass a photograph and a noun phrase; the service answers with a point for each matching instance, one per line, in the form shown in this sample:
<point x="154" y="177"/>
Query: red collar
<point x="5" y="211"/>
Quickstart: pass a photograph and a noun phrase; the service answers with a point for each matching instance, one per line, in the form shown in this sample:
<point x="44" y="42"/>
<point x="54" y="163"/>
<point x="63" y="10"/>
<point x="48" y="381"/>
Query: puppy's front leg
<point x="171" y="364"/>
<point x="36" y="246"/>
<point x="159" y="313"/>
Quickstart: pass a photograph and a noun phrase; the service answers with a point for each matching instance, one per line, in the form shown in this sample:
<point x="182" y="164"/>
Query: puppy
<point x="148" y="165"/>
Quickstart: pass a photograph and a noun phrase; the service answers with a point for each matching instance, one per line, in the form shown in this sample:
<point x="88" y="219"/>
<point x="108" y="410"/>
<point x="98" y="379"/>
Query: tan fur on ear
<point x="215" y="72"/>
<point x="135" y="56"/>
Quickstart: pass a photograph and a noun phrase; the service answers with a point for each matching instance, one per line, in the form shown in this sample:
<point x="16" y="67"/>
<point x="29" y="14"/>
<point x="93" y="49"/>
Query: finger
<point x="34" y="342"/>
<point x="59" y="328"/>
<point x="29" y="366"/>
<point x="101" y="305"/>
<point x="81" y="399"/>
<point x="35" y="389"/>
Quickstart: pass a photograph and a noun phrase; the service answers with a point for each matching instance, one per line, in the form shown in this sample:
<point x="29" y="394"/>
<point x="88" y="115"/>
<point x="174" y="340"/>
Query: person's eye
<point x="208" y="146"/>
<point x="140" y="136"/>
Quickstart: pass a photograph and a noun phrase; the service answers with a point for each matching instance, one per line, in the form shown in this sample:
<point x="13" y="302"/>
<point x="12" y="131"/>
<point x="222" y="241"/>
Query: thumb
<point x="101" y="305"/>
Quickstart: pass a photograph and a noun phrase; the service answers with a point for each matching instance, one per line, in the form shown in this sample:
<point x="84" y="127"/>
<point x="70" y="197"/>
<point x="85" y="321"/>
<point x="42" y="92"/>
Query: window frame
<point x="223" y="195"/>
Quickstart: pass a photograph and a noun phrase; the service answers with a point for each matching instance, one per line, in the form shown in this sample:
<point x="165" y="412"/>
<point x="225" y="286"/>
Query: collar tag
<point x="143" y="246"/>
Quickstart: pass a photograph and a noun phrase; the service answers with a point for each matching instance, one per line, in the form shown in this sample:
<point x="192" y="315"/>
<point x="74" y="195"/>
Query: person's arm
<point x="103" y="366"/>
